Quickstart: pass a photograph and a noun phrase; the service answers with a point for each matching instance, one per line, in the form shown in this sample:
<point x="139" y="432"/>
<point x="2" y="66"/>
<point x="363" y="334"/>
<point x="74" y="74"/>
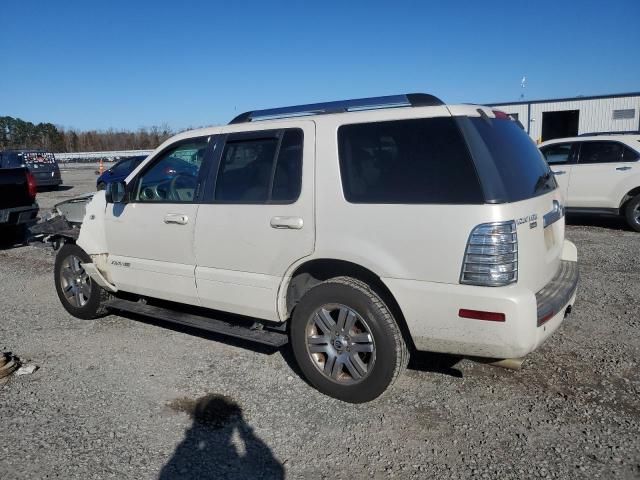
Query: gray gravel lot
<point x="116" y="398"/>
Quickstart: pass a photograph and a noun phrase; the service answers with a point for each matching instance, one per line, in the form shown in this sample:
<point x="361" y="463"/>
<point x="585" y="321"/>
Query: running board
<point x="258" y="335"/>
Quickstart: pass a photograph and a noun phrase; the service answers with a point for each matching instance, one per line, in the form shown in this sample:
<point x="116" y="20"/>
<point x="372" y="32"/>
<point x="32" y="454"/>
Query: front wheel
<point x="346" y="341"/>
<point x="632" y="213"/>
<point x="79" y="294"/>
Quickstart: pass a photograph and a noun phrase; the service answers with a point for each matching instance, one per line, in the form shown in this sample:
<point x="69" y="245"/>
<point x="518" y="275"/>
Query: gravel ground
<point x="125" y="397"/>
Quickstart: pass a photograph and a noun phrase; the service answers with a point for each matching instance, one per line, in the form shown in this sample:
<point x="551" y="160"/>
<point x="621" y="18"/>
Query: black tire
<point x="389" y="355"/>
<point x="632" y="213"/>
<point x="89" y="303"/>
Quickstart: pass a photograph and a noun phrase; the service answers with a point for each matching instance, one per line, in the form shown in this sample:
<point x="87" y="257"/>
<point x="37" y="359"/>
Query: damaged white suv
<point x="358" y="231"/>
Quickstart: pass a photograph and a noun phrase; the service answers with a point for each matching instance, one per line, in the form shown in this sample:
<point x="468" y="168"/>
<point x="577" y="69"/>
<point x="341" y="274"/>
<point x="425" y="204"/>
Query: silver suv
<point x="358" y="231"/>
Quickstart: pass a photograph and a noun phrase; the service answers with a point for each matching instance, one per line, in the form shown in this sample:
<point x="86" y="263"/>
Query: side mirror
<point x="116" y="192"/>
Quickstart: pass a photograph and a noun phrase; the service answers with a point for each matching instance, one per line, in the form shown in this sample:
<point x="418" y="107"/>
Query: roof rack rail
<point x="625" y="132"/>
<point x="390" y="101"/>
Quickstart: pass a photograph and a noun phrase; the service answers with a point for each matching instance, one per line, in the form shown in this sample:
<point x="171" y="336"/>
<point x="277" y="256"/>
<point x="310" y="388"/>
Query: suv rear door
<point x="257" y="219"/>
<point x="602" y="166"/>
<point x="561" y="157"/>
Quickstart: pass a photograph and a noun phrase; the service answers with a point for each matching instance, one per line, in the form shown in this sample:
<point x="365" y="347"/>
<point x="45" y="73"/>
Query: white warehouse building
<point x="569" y="117"/>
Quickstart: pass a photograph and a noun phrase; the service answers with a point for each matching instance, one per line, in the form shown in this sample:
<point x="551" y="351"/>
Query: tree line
<point x="19" y="134"/>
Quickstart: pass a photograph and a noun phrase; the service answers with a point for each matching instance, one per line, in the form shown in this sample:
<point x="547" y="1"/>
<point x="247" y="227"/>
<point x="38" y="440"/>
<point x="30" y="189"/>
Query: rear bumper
<point x="48" y="182"/>
<point x="432" y="313"/>
<point x="18" y="215"/>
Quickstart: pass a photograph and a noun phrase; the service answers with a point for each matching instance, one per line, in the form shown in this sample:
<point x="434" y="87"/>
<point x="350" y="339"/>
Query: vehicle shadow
<point x="435" y="363"/>
<point x="197" y="332"/>
<point x="603" y="221"/>
<point x="219" y="444"/>
<point x="12" y="237"/>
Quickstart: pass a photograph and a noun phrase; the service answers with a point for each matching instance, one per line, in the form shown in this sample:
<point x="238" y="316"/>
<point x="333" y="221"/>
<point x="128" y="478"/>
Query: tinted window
<point x="407" y="161"/>
<point x="518" y="161"/>
<point x="288" y="177"/>
<point x="245" y="171"/>
<point x="249" y="172"/>
<point x="173" y="177"/>
<point x="121" y="167"/>
<point x="558" y="154"/>
<point x="629" y="155"/>
<point x="600" y="152"/>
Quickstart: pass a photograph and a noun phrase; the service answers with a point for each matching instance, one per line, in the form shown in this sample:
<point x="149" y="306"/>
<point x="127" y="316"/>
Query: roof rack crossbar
<point x="390" y="101"/>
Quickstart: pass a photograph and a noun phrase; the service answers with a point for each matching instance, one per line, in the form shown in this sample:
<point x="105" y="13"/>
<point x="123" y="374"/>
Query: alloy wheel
<point x="75" y="283"/>
<point x="340" y="343"/>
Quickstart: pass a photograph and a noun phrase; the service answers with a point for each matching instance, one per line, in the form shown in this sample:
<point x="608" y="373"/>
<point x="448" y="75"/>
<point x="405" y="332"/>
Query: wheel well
<point x="314" y="272"/>
<point x="627" y="197"/>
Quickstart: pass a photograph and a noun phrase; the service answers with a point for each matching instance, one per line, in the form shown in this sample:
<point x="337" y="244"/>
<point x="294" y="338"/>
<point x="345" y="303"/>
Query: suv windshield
<point x="520" y="165"/>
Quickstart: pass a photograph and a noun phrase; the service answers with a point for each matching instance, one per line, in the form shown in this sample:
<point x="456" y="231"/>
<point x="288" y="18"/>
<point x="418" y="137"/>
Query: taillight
<point x="31" y="185"/>
<point x="491" y="257"/>
<point x="501" y="115"/>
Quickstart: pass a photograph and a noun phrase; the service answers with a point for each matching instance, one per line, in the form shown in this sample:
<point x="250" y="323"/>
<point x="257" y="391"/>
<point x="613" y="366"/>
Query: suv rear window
<point x="407" y="161"/>
<point x="518" y="162"/>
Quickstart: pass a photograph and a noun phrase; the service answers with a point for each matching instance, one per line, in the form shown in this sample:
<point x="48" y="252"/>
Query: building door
<point x="560" y="124"/>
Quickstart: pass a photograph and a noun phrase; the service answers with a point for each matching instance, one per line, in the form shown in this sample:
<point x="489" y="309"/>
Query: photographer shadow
<point x="219" y="444"/>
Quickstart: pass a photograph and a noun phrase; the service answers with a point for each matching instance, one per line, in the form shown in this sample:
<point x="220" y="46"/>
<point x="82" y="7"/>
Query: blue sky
<point x="128" y="64"/>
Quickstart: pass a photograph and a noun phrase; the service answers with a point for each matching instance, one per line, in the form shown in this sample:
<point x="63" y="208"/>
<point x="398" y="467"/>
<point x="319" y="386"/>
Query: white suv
<point x="598" y="173"/>
<point x="357" y="230"/>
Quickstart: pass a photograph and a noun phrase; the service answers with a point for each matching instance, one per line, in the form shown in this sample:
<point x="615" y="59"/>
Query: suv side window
<point x="173" y="177"/>
<point x="121" y="167"/>
<point x="600" y="152"/>
<point x="630" y="155"/>
<point x="261" y="169"/>
<point x="407" y="162"/>
<point x="558" y="154"/>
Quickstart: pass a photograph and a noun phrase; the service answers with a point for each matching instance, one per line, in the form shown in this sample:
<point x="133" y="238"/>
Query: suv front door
<point x="257" y="219"/>
<point x="561" y="157"/>
<point x="595" y="180"/>
<point x="150" y="238"/>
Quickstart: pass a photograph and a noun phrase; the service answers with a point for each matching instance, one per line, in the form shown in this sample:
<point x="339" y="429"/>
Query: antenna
<point x="523" y="84"/>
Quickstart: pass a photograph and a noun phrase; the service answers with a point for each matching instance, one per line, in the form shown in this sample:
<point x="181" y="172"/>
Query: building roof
<point x="567" y="99"/>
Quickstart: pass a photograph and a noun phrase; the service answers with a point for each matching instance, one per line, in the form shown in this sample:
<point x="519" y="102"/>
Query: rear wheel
<point x="632" y="213"/>
<point x="346" y="341"/>
<point x="79" y="294"/>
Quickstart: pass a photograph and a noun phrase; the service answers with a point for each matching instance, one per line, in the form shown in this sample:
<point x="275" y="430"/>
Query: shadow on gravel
<point x="603" y="221"/>
<point x="12" y="237"/>
<point x="177" y="327"/>
<point x="435" y="363"/>
<point x="219" y="444"/>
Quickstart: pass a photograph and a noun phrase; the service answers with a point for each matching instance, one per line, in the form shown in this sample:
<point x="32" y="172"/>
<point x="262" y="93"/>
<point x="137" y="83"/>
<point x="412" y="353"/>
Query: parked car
<point x="18" y="206"/>
<point x="357" y="236"/>
<point x="42" y="164"/>
<point x="598" y="174"/>
<point x="119" y="171"/>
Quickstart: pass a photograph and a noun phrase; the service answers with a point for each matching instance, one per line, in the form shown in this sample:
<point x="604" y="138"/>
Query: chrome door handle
<point x="559" y="172"/>
<point x="622" y="169"/>
<point x="177" y="218"/>
<point x="294" y="223"/>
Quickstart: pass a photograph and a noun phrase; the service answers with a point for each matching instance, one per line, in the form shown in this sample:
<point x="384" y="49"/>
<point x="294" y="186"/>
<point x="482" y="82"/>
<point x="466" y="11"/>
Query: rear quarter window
<point x="520" y="166"/>
<point x="417" y="161"/>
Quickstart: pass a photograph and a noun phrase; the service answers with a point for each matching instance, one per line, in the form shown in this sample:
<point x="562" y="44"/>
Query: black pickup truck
<point x="18" y="207"/>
